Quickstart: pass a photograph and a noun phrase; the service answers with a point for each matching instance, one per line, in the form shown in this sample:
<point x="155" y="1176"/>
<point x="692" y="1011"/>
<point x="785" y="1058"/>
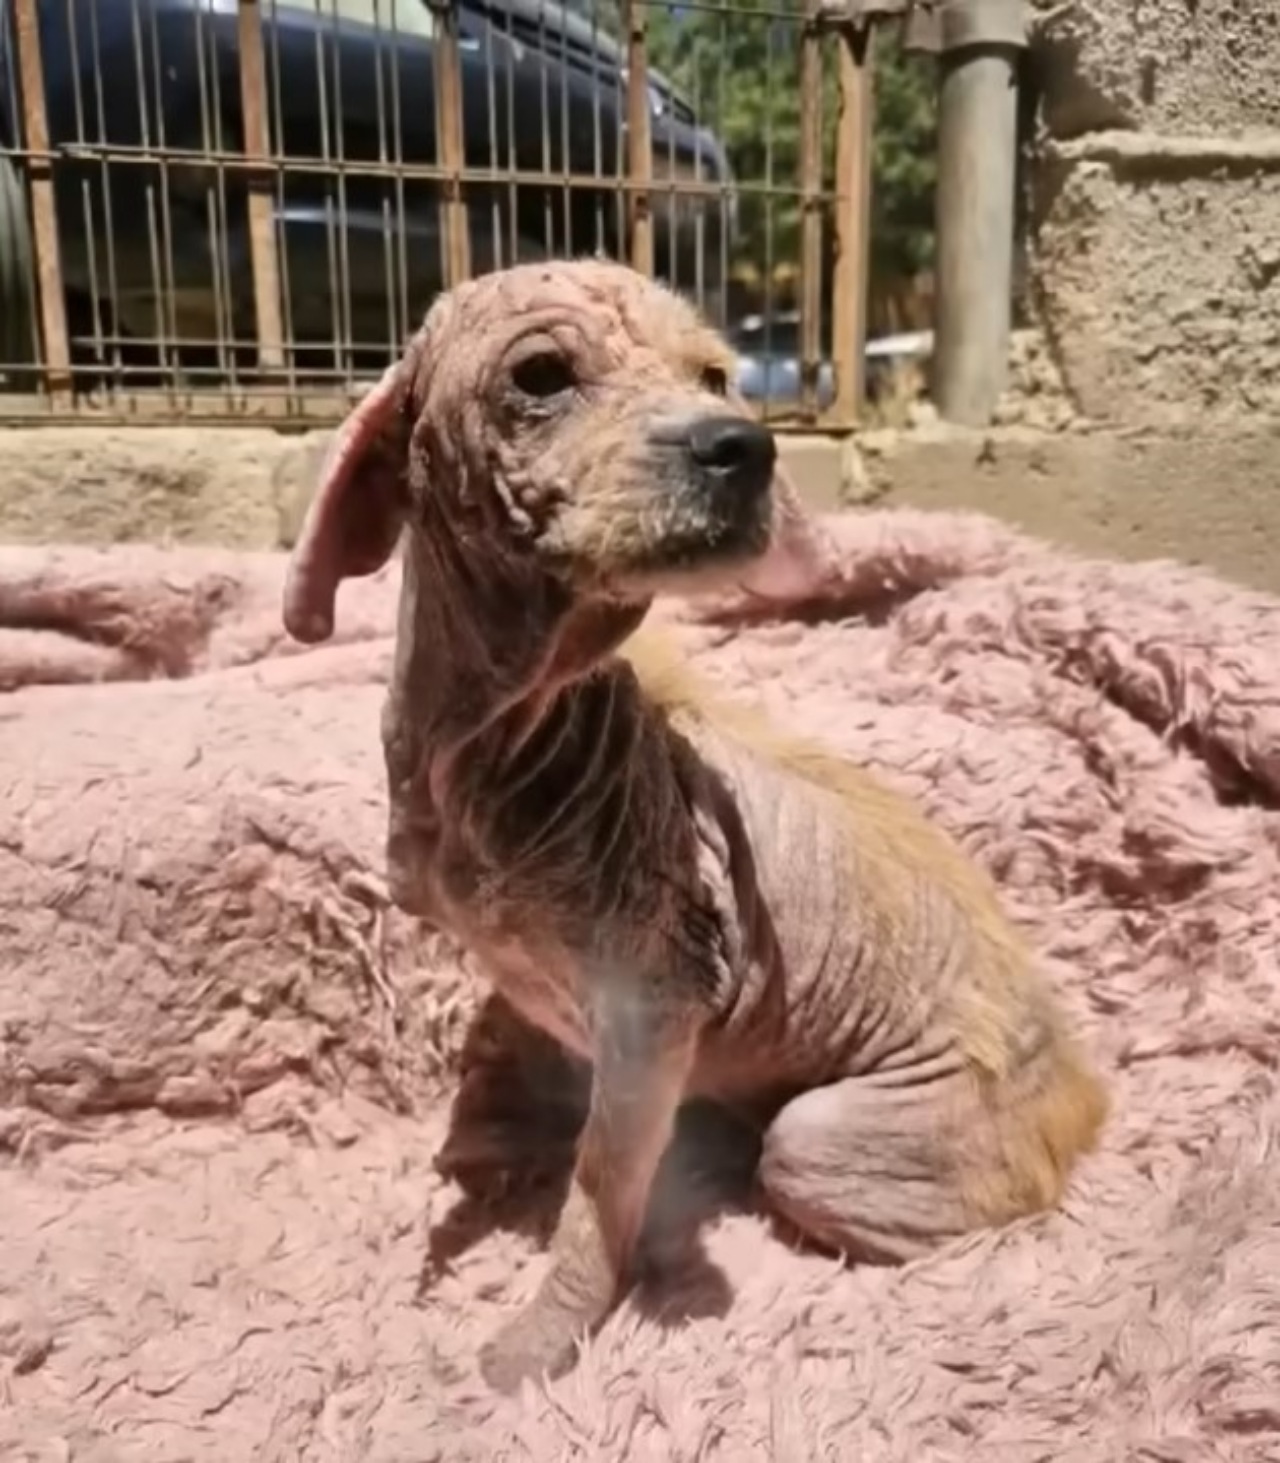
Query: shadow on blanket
<point x="226" y="1063"/>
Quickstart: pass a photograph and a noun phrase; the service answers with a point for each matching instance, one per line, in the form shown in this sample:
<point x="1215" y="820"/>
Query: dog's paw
<point x="537" y="1345"/>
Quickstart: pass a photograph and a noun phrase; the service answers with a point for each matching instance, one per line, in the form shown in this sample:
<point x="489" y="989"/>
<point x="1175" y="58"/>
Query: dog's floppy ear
<point x="354" y="520"/>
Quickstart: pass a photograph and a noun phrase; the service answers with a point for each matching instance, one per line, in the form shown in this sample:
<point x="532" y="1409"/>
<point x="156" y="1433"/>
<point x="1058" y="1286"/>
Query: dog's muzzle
<point x="729" y="463"/>
<point x="733" y="456"/>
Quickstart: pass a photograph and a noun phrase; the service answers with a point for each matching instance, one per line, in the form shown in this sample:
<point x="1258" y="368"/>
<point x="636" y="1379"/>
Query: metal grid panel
<point x="238" y="209"/>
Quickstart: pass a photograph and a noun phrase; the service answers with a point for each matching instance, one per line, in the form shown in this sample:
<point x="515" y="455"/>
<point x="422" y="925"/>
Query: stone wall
<point x="1155" y="256"/>
<point x="1171" y="67"/>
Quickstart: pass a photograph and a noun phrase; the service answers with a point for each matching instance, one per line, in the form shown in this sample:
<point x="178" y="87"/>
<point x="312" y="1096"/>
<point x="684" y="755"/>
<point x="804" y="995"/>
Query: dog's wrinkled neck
<point x="468" y="640"/>
<point x="486" y="652"/>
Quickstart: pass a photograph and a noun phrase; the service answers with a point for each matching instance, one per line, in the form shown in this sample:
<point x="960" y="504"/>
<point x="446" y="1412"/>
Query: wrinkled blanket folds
<point x="225" y="1061"/>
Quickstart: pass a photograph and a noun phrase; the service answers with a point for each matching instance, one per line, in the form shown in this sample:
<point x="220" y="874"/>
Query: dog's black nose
<point x="739" y="454"/>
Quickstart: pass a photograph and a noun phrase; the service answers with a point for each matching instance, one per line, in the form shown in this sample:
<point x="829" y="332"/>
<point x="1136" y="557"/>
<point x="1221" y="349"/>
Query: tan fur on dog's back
<point x="1048" y="1105"/>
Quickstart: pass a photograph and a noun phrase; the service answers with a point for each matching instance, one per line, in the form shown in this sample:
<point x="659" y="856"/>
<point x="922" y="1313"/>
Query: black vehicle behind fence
<point x="156" y="256"/>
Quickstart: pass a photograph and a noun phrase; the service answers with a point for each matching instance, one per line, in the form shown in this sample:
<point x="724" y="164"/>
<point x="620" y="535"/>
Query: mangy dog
<point x="694" y="904"/>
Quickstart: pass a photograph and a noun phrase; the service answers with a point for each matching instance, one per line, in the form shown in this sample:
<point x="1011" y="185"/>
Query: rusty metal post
<point x="44" y="214"/>
<point x="450" y="150"/>
<point x="852" y="224"/>
<point x="811" y="208"/>
<point x="263" y="257"/>
<point x="639" y="139"/>
<point x="980" y="42"/>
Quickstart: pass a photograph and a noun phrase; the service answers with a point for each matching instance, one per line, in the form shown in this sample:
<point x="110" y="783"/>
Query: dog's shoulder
<point x="894" y="833"/>
<point x="695" y="707"/>
<point x="691" y="705"/>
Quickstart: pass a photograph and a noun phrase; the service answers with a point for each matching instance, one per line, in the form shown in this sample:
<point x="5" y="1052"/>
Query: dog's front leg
<point x="644" y="1050"/>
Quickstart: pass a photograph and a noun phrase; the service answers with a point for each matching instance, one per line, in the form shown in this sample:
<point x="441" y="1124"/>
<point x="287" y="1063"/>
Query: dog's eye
<point x="546" y="374"/>
<point x="715" y="380"/>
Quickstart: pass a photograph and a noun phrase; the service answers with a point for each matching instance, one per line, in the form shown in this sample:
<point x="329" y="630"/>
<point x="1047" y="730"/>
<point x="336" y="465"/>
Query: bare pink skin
<point x="691" y="905"/>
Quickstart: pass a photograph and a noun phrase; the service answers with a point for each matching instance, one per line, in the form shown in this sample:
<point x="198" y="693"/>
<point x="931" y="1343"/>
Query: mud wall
<point x="1155" y="204"/>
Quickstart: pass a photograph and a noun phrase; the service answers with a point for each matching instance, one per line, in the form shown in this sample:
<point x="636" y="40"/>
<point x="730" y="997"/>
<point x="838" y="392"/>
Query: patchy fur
<point x="693" y="905"/>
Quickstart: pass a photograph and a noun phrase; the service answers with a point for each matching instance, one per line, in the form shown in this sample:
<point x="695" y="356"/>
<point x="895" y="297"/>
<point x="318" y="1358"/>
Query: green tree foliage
<point x="739" y="65"/>
<point x="903" y="162"/>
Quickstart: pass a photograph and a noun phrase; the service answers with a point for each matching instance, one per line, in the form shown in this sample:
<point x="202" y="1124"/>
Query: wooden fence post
<point x="852" y="224"/>
<point x="810" y="209"/>
<point x="450" y="144"/>
<point x="56" y="350"/>
<point x="639" y="138"/>
<point x="263" y="254"/>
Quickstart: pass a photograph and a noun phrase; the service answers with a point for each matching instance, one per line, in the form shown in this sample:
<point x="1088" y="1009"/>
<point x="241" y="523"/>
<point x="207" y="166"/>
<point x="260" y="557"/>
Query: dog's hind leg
<point x="886" y="1167"/>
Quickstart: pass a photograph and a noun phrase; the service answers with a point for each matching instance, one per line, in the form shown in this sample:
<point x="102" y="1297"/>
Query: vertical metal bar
<point x="852" y="224"/>
<point x="333" y="349"/>
<point x="544" y="113"/>
<point x="167" y="310"/>
<point x="344" y="212"/>
<point x="700" y="216"/>
<point x="639" y="143"/>
<point x="290" y="335"/>
<point x="86" y="201"/>
<point x="44" y="216"/>
<point x="513" y="174"/>
<point x="449" y="146"/>
<point x="721" y="119"/>
<point x="621" y="198"/>
<point x="112" y="321"/>
<point x="811" y="208"/>
<point x="769" y="201"/>
<point x="210" y="198"/>
<point x="566" y="192"/>
<point x="257" y="145"/>
<point x="20" y="265"/>
<point x="154" y="339"/>
<point x="674" y="200"/>
<point x="380" y="51"/>
<point x="493" y="194"/>
<point x="402" y="231"/>
<point x="597" y="132"/>
<point x="221" y="215"/>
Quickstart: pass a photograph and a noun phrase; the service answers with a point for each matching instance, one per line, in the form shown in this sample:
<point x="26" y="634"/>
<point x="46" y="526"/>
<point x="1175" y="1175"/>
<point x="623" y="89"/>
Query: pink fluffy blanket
<point x="224" y="1062"/>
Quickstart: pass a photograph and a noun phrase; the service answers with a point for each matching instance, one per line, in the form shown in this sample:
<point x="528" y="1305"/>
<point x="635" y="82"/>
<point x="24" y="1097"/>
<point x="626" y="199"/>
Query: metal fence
<point x="232" y="209"/>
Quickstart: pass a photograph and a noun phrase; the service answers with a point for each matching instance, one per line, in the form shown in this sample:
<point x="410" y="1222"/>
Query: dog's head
<point x="574" y="419"/>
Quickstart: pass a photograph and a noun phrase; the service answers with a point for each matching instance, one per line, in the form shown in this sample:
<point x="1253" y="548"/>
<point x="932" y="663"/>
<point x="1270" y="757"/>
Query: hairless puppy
<point x="690" y="902"/>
